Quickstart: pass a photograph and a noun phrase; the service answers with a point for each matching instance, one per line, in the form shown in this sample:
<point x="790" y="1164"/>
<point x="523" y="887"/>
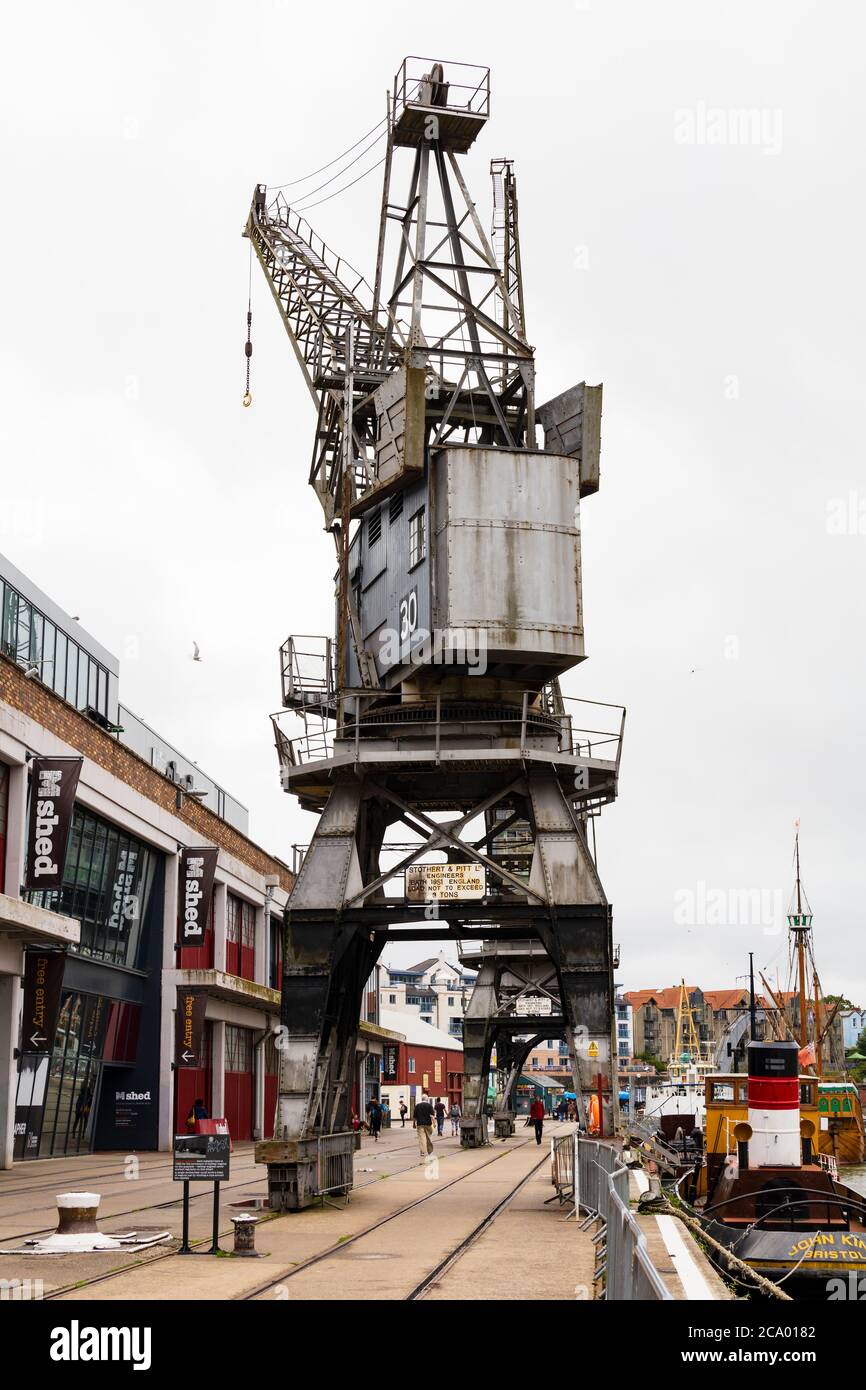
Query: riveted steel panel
<point x="507" y="552"/>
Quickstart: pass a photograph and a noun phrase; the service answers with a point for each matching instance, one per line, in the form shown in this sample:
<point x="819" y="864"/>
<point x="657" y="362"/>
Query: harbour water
<point x="854" y="1177"/>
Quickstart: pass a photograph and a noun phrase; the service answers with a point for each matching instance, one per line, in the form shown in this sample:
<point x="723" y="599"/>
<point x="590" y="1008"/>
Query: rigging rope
<point x="304" y="207"/>
<point x="291" y="182"/>
<point x="352" y="162"/>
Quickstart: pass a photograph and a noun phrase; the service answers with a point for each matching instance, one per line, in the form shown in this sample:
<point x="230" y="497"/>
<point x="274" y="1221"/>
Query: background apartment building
<point x="435" y="990"/>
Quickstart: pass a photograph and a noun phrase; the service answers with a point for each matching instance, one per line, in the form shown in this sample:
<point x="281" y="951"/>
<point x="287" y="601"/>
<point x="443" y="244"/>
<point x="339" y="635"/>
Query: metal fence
<point x="590" y="1174"/>
<point x="335" y="1155"/>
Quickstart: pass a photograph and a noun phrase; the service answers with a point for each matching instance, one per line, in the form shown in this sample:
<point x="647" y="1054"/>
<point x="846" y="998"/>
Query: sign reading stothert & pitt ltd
<point x="197" y="868"/>
<point x="52" y="798"/>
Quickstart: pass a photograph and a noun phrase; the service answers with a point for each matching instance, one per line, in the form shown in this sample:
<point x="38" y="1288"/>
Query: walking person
<point x="374" y="1118"/>
<point x="82" y="1111"/>
<point x="197" y="1112"/>
<point x="536" y="1115"/>
<point x="440" y="1113"/>
<point x="403" y="1112"/>
<point x="423" y="1123"/>
<point x="454" y="1115"/>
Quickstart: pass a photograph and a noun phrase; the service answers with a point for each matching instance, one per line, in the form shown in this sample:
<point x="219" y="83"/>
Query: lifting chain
<point x="248" y="346"/>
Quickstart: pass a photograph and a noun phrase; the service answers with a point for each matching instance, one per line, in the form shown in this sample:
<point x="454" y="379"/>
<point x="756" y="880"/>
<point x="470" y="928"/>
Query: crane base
<point x="473" y="1132"/>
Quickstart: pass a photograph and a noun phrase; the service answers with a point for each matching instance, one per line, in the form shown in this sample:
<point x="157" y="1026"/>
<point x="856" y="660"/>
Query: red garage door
<point x="191" y="1084"/>
<point x="239" y="1082"/>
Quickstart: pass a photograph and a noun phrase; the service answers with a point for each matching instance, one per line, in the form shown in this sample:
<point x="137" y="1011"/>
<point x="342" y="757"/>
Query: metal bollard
<point x="245" y="1234"/>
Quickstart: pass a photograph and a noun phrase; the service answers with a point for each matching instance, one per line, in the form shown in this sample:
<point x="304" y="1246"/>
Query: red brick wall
<point x="62" y="719"/>
<point x="425" y="1065"/>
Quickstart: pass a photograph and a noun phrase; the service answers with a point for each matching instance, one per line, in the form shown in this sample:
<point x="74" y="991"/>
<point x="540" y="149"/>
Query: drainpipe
<point x="259" y="1063"/>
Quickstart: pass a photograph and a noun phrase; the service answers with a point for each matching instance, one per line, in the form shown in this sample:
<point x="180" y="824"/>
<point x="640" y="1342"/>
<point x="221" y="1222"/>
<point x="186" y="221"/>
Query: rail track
<point x="108" y="1275"/>
<point x="67" y="1184"/>
<point x="419" y="1290"/>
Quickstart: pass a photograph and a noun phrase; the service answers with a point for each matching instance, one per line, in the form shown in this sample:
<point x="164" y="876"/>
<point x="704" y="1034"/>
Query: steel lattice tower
<point x="437" y="709"/>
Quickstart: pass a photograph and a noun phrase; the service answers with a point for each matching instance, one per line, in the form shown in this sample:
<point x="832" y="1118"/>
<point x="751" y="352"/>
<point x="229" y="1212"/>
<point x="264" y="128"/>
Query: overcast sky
<point x="691" y="198"/>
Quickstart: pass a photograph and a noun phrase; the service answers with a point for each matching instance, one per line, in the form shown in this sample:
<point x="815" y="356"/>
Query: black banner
<point x="389" y="1062"/>
<point x="43" y="979"/>
<point x="52" y="797"/>
<point x="197" y="868"/>
<point x="189" y="1027"/>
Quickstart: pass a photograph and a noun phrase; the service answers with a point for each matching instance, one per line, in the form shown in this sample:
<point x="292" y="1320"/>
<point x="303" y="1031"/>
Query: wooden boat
<point x="841" y="1117"/>
<point x="841" y="1132"/>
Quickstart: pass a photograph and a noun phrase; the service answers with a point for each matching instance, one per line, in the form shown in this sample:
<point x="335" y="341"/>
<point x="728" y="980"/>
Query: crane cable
<point x="291" y="182"/>
<point x="352" y="162"/>
<point x="248" y="346"/>
<point x="304" y="207"/>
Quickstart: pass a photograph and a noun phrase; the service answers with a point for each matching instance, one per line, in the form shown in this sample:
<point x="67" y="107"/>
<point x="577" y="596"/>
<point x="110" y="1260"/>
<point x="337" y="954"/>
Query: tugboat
<point x="763" y="1189"/>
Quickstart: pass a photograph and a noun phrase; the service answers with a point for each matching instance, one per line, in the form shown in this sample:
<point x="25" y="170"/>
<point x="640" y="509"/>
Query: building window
<point x="240" y="937"/>
<point x="374" y="528"/>
<point x="417" y="538"/>
<point x="60" y="1093"/>
<point x="239" y="1049"/>
<point x="395" y="507"/>
<point x="29" y="637"/>
<point x="4" y="817"/>
<point x="392" y="999"/>
<point x="411" y="1063"/>
<point x="108" y="880"/>
<point x="451" y="1001"/>
<point x="275" y="954"/>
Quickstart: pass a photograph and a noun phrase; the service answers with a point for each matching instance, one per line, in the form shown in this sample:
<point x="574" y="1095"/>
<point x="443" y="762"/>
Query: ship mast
<point x="800" y="925"/>
<point x="801" y="949"/>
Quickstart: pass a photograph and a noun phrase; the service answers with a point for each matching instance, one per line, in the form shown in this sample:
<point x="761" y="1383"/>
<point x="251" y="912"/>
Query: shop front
<point x="98" y="1085"/>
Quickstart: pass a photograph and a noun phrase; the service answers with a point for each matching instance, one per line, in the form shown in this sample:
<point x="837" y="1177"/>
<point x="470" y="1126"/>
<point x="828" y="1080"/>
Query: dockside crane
<point x="458" y="607"/>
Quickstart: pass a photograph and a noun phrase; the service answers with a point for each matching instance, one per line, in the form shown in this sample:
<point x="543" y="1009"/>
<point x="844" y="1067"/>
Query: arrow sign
<point x="43" y="981"/>
<point x="189" y="1027"/>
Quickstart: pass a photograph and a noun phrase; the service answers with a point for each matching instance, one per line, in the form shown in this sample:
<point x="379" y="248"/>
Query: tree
<point x="652" y="1061"/>
<point x="855" y="1059"/>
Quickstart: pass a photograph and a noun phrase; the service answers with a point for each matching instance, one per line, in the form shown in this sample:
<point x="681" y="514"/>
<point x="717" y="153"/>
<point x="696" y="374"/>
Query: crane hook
<point x="248" y="350"/>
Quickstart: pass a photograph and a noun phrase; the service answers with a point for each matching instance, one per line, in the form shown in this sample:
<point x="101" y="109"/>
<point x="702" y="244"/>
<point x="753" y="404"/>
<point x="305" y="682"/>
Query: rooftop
<point x="416" y="1031"/>
<point x="68" y="660"/>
